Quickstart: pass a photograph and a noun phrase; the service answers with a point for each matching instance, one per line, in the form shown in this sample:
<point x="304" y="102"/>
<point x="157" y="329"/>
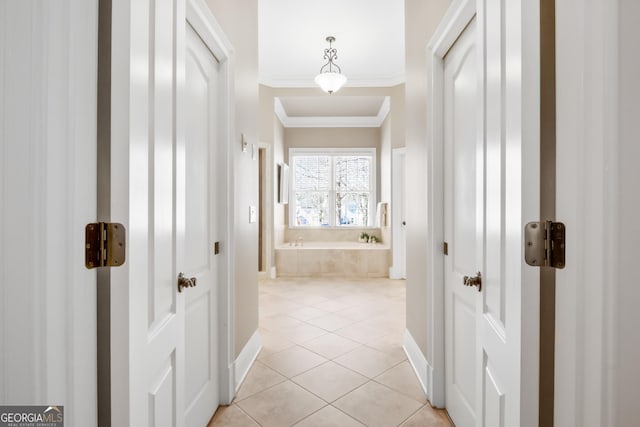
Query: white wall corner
<point x="421" y="367"/>
<point x="273" y="273"/>
<point x="245" y="359"/>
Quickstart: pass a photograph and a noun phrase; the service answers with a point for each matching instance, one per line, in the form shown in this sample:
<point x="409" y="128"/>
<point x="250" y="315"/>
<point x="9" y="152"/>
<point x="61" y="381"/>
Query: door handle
<point x="473" y="281"/>
<point x="185" y="282"/>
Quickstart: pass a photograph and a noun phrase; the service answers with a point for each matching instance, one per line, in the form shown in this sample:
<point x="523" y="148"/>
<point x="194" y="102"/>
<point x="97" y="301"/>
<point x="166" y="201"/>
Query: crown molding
<point x="333" y="121"/>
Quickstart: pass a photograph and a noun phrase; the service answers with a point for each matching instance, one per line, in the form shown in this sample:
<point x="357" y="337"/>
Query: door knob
<point x="185" y="282"/>
<point x="473" y="281"/>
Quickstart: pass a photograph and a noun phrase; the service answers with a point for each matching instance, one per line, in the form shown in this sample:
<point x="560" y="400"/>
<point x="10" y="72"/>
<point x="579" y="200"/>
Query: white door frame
<point x="397" y="198"/>
<point x="452" y="25"/>
<point x="202" y="20"/>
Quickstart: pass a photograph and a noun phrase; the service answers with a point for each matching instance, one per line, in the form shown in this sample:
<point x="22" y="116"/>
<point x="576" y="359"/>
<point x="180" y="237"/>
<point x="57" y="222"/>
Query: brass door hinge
<point x="104" y="245"/>
<point x="544" y="244"/>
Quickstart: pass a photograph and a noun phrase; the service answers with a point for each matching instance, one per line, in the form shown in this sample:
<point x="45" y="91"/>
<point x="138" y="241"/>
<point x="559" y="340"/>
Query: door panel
<point x="161" y="409"/>
<point x="494" y="400"/>
<point x="494" y="220"/>
<point x="463" y="372"/>
<point x="200" y="190"/>
<point x="462" y="219"/>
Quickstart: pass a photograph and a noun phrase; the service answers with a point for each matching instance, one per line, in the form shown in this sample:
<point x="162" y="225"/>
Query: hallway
<point x="332" y="356"/>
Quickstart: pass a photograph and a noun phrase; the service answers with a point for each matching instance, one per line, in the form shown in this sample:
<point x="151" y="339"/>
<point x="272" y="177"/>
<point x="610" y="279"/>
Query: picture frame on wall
<point x="283" y="183"/>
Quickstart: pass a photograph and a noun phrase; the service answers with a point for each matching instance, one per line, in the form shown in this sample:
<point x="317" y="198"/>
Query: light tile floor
<point x="332" y="356"/>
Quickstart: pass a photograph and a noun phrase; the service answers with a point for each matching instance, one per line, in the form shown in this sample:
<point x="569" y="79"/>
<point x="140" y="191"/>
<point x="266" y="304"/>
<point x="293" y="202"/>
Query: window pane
<point x="312" y="173"/>
<point x="312" y="208"/>
<point x="352" y="173"/>
<point x="352" y="209"/>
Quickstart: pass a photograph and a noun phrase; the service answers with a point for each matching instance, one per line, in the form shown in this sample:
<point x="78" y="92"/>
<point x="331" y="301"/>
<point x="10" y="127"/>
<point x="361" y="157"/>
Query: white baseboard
<point x="394" y="273"/>
<point x="245" y="359"/>
<point x="421" y="367"/>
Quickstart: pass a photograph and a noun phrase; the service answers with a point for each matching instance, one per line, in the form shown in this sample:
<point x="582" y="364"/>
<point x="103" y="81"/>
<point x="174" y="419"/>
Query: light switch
<point x="253" y="214"/>
<point x="244" y="142"/>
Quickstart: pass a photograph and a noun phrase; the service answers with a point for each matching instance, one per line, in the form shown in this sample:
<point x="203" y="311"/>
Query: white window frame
<point x="333" y="152"/>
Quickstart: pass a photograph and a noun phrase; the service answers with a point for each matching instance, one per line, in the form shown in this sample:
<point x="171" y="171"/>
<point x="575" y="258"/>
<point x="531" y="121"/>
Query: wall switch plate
<point x="253" y="214"/>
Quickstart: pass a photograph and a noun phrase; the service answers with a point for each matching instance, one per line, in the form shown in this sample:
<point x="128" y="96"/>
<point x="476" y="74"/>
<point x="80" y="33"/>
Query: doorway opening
<point x="265" y="201"/>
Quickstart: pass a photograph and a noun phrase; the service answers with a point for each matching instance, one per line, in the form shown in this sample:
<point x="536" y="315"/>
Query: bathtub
<point x="332" y="259"/>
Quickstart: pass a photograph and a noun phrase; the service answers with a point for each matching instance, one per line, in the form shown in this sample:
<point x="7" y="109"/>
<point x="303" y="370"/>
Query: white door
<point x="398" y="214"/>
<point x="196" y="252"/>
<point x="163" y="358"/>
<point x="147" y="312"/>
<point x="491" y="187"/>
<point x="463" y="224"/>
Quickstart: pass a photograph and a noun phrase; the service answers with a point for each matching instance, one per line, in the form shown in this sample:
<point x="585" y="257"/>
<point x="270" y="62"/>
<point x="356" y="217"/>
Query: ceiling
<point x="369" y="40"/>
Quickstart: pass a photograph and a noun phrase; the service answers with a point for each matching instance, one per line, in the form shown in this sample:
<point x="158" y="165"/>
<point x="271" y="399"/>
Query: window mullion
<point x="332" y="192"/>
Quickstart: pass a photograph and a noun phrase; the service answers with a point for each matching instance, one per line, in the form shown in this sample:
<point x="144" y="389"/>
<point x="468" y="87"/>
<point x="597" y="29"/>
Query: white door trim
<point x="395" y="272"/>
<point x="204" y="23"/>
<point x="452" y="25"/>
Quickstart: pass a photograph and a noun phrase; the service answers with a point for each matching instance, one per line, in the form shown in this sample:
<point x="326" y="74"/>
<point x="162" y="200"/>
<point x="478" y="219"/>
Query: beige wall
<point x="239" y="20"/>
<point x="421" y="20"/>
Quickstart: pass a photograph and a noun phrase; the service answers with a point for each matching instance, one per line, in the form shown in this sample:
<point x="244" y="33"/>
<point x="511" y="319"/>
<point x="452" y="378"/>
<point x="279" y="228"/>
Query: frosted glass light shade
<point x="330" y="82"/>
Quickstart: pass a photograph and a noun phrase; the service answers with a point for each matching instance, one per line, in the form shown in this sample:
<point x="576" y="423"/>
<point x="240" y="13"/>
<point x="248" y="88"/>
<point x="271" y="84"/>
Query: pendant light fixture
<point x="330" y="78"/>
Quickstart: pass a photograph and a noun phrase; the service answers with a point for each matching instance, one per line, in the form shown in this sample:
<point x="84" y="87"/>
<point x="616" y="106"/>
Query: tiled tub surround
<point x="332" y="252"/>
<point x="333" y="259"/>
